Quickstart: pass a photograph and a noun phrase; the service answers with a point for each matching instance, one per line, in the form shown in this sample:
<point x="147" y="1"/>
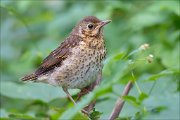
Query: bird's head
<point x="90" y="27"/>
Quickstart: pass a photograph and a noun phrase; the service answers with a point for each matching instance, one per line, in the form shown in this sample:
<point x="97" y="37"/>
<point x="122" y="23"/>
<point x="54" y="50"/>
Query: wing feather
<point x="56" y="57"/>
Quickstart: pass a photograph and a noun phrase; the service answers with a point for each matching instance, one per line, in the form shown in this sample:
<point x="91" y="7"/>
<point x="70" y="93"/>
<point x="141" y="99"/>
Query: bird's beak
<point x="104" y="23"/>
<point x="100" y="25"/>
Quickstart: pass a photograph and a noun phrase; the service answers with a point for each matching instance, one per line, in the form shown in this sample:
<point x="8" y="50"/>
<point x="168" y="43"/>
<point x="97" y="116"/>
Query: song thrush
<point x="77" y="61"/>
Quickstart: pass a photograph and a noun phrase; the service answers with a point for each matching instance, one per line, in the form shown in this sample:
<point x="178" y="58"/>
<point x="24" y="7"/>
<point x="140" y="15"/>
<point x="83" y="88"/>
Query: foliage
<point x="30" y="30"/>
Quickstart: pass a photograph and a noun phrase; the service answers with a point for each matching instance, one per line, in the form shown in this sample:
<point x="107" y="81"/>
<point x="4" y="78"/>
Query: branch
<point x="120" y="102"/>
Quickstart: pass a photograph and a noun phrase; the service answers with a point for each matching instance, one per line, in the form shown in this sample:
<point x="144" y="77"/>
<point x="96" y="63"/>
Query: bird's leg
<point x="88" y="89"/>
<point x="83" y="92"/>
<point x="70" y="97"/>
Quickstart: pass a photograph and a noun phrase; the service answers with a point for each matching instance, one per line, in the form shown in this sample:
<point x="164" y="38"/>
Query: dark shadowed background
<point x="29" y="30"/>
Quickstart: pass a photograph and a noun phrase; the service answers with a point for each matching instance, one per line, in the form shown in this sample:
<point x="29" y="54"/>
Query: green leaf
<point x="146" y="19"/>
<point x="70" y="113"/>
<point x="143" y="96"/>
<point x="95" y="115"/>
<point x="131" y="100"/>
<point x="161" y="74"/>
<point x="80" y="116"/>
<point x="158" y="109"/>
<point x="119" y="56"/>
<point x="39" y="91"/>
<point x="21" y="116"/>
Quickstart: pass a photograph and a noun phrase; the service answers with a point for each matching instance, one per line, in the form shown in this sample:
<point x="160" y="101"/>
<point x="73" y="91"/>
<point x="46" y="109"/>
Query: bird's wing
<point x="56" y="57"/>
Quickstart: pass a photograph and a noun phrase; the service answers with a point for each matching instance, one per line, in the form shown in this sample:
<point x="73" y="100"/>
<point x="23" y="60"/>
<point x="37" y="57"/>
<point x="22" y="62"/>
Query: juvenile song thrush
<point x="77" y="61"/>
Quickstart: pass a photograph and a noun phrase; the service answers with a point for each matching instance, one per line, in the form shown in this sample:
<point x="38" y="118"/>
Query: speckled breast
<point x="81" y="68"/>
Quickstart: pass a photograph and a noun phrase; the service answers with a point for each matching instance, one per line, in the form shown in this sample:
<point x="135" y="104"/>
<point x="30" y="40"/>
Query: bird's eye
<point x="90" y="26"/>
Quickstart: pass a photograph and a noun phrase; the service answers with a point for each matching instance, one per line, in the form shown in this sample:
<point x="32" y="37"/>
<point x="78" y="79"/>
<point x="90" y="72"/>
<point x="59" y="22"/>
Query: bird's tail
<point x="30" y="77"/>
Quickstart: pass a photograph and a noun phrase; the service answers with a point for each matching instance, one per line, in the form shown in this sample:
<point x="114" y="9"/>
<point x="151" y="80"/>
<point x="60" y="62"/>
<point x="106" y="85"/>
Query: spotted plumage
<point x="78" y="60"/>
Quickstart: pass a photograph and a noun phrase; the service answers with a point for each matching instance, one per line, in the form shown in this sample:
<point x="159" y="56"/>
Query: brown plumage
<point x="55" y="58"/>
<point x="78" y="60"/>
<point x="29" y="77"/>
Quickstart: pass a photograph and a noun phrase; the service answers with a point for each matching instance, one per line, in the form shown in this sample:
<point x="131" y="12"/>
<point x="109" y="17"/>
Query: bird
<point x="77" y="61"/>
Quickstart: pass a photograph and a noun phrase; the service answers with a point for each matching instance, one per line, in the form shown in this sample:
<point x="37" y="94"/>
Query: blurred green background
<point x="31" y="29"/>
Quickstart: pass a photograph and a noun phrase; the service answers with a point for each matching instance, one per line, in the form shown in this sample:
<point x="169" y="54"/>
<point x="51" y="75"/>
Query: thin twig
<point x="120" y="102"/>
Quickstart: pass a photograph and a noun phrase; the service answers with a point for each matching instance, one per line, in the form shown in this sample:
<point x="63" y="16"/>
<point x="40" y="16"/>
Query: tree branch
<point x="120" y="102"/>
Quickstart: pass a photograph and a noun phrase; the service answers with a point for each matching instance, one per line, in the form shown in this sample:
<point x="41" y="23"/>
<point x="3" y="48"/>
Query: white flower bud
<point x="144" y="46"/>
<point x="150" y="58"/>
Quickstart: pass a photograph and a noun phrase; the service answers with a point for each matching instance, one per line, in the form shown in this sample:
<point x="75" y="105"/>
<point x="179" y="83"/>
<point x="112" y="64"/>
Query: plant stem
<point x="120" y="102"/>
